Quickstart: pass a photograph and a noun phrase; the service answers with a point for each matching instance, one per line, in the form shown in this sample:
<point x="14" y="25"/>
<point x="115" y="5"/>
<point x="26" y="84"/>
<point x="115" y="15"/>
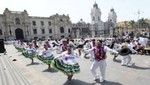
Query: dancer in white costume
<point x="30" y="52"/>
<point x="116" y="47"/>
<point x="63" y="46"/>
<point x="20" y="46"/>
<point x="67" y="63"/>
<point x="125" y="52"/>
<point x="99" y="56"/>
<point x="46" y="56"/>
<point x="87" y="46"/>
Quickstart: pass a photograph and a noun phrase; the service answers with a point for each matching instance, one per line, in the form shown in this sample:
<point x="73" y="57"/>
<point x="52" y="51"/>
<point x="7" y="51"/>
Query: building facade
<point x="19" y="25"/>
<point x="81" y="29"/>
<point x="100" y="28"/>
<point x="97" y="28"/>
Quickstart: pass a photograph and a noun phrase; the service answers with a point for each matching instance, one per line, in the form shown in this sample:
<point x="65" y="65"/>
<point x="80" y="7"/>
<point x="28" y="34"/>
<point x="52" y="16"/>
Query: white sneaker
<point x="101" y="80"/>
<point x="123" y="64"/>
<point x="97" y="77"/>
<point x="129" y="65"/>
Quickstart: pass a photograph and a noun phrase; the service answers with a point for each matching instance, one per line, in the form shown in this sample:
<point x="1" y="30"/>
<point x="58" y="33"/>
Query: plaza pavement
<point x="38" y="74"/>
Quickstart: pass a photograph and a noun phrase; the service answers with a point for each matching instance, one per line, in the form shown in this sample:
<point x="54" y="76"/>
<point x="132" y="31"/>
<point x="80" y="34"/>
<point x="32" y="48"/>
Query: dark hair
<point x="93" y="39"/>
<point x="100" y="41"/>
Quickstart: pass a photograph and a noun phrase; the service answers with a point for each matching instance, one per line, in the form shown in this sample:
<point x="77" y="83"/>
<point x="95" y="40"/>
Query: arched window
<point x="110" y="20"/>
<point x="1" y="32"/>
<point x="17" y="20"/>
<point x="68" y="30"/>
<point x="98" y="18"/>
<point x="61" y="20"/>
<point x="93" y="18"/>
<point x="61" y="30"/>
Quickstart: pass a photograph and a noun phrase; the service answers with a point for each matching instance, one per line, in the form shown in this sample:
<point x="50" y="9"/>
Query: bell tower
<point x="95" y="14"/>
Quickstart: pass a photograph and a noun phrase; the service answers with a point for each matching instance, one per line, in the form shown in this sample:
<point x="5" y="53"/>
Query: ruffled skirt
<point x="29" y="55"/>
<point x="66" y="68"/>
<point x="20" y="49"/>
<point x="46" y="60"/>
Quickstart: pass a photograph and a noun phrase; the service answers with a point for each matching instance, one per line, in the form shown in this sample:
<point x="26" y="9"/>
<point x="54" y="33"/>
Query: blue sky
<point x="77" y="9"/>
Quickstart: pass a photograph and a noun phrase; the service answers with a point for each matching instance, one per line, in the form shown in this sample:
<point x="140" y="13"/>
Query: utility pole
<point x="138" y="13"/>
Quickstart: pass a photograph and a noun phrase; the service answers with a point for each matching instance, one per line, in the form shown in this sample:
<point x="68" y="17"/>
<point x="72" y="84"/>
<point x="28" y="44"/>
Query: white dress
<point x="68" y="58"/>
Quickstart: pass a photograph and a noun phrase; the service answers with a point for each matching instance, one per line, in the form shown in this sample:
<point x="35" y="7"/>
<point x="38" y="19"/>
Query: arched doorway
<point x="19" y="34"/>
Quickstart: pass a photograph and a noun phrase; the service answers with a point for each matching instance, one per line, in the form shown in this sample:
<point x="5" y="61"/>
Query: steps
<point x="9" y="74"/>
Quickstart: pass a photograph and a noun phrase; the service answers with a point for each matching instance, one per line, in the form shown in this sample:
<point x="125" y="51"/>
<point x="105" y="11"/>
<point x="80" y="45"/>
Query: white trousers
<point x="126" y="60"/>
<point x="102" y="65"/>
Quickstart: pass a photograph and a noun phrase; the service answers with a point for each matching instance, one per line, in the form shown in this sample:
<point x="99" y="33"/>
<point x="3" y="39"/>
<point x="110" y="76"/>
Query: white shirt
<point x="47" y="53"/>
<point x="87" y="45"/>
<point x="105" y="49"/>
<point x="117" y="47"/>
<point x="68" y="58"/>
<point x="30" y="50"/>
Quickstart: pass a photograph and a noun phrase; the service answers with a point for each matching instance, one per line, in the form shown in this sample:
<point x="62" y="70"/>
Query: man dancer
<point x="125" y="52"/>
<point x="99" y="58"/>
<point x="116" y="47"/>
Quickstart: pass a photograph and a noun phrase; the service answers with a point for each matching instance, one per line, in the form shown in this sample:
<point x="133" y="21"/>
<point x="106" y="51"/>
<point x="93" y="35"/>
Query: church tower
<point x="112" y="19"/>
<point x="95" y="14"/>
<point x="97" y="26"/>
<point x="112" y="16"/>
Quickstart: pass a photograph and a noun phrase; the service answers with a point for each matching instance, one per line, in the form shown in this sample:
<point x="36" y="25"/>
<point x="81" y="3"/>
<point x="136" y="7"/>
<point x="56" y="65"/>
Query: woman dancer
<point x="63" y="46"/>
<point x="30" y="52"/>
<point x="67" y="63"/>
<point x="20" y="46"/>
<point x="46" y="56"/>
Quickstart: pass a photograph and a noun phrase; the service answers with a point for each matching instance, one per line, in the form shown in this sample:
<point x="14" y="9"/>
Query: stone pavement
<point x="38" y="74"/>
<point x="9" y="73"/>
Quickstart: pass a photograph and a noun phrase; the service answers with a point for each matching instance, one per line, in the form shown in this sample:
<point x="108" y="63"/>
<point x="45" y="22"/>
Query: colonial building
<point x="97" y="28"/>
<point x="81" y="29"/>
<point x="100" y="28"/>
<point x="110" y="25"/>
<point x="19" y="25"/>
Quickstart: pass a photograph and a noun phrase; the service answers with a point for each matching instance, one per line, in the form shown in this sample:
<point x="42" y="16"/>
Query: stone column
<point x="10" y="32"/>
<point x="111" y="31"/>
<point x="28" y="32"/>
<point x="93" y="33"/>
<point x="7" y="32"/>
<point x="78" y="33"/>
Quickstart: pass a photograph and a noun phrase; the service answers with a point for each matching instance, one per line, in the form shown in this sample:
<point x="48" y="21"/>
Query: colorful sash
<point x="100" y="54"/>
<point x="64" y="47"/>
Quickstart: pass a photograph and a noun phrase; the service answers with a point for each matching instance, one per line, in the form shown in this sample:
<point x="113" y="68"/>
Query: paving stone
<point x="37" y="74"/>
